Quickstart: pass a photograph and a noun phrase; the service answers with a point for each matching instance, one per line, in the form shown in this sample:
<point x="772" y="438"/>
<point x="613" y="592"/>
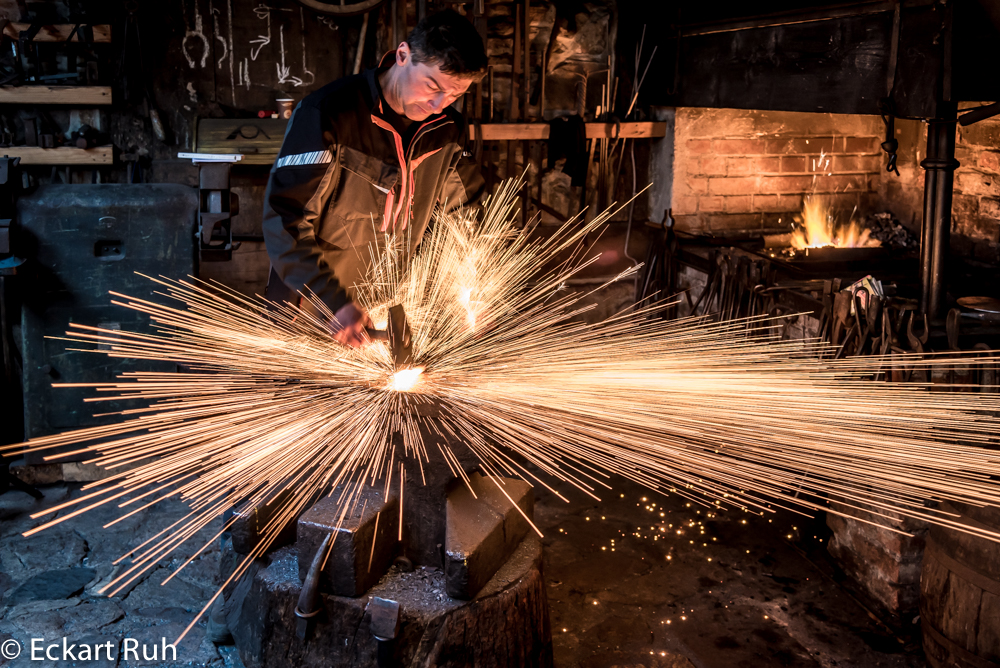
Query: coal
<point x="890" y="232"/>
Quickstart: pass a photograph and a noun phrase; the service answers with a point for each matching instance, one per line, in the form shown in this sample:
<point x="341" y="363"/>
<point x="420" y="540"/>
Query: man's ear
<point x="402" y="53"/>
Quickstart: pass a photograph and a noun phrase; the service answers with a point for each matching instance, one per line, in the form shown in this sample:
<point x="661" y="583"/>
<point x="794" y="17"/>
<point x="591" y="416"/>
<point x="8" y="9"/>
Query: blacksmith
<point x="371" y="154"/>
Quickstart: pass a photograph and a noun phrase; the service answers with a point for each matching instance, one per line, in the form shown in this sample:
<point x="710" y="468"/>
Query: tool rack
<point x="24" y="39"/>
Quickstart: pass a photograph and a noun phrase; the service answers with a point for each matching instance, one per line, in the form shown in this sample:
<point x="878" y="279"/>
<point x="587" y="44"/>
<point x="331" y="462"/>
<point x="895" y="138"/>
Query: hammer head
<point x="384" y="618"/>
<point x="400" y="342"/>
<point x="398" y="335"/>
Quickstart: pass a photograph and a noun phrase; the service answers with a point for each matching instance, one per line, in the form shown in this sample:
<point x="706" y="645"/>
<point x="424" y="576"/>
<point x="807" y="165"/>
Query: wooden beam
<point x="633" y="130"/>
<point x="64" y="155"/>
<point x="511" y="131"/>
<point x="259" y="140"/>
<point x="78" y="96"/>
<point x="59" y="32"/>
<point x="535" y="131"/>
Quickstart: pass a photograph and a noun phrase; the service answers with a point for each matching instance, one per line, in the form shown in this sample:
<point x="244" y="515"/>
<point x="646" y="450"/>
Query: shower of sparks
<point x="725" y="414"/>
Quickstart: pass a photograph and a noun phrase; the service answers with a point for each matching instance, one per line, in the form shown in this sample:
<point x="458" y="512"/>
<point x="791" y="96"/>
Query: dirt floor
<point x="636" y="580"/>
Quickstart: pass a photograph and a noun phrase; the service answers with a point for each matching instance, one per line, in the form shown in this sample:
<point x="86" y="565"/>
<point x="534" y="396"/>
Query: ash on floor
<point x="637" y="580"/>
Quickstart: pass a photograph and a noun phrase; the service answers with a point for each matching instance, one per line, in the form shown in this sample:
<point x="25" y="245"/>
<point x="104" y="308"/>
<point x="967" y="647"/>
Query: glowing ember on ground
<point x="819" y="229"/>
<point x="405" y="379"/>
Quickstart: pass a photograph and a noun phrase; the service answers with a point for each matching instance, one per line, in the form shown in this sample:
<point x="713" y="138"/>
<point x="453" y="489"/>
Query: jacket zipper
<point x="407" y="180"/>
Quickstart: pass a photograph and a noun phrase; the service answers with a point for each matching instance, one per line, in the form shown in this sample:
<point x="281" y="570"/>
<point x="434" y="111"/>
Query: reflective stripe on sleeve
<point x="313" y="158"/>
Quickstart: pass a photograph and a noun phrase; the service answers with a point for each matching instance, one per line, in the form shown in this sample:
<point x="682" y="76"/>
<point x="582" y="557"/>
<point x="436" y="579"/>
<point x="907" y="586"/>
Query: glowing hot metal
<point x="405" y="380"/>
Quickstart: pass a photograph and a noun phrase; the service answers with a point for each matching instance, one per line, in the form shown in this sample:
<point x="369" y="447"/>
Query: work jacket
<point x="343" y="180"/>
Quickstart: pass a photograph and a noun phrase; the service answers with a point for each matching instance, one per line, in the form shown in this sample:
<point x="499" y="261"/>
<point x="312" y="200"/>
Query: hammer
<point x="397" y="334"/>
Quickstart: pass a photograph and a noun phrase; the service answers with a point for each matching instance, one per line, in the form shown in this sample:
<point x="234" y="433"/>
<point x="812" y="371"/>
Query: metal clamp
<point x="215" y="217"/>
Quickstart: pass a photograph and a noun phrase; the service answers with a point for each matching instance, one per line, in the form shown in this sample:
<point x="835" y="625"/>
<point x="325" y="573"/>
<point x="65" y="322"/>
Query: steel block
<point x="483" y="530"/>
<point x="248" y="528"/>
<point x="359" y="556"/>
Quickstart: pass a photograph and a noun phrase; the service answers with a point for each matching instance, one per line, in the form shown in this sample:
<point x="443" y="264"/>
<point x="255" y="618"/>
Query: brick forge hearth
<point x="738" y="171"/>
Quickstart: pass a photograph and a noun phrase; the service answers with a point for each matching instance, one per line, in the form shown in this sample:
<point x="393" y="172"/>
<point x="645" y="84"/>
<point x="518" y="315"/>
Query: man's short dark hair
<point x="447" y="39"/>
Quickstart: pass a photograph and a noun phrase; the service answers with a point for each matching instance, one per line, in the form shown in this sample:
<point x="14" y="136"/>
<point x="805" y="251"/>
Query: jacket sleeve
<point x="300" y="183"/>
<point x="464" y="183"/>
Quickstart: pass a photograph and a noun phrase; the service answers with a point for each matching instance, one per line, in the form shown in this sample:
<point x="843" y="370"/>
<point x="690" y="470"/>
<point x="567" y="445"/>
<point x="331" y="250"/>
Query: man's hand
<point x="349" y="325"/>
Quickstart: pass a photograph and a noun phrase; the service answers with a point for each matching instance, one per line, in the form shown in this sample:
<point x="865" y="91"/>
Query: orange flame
<point x="819" y="229"/>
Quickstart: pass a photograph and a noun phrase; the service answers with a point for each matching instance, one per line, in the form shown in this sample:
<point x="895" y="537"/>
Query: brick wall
<point x="738" y="170"/>
<point x="884" y="564"/>
<point x="976" y="204"/>
<point x="976" y="209"/>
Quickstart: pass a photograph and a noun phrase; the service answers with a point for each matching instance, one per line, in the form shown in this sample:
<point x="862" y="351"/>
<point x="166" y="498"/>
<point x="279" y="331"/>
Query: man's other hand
<point x="349" y="325"/>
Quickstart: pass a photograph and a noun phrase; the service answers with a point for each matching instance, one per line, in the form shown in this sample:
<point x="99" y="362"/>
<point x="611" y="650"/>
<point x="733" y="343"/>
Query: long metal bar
<point x="942" y="217"/>
<point x="525" y="95"/>
<point x="796" y="16"/>
<point x="926" y="224"/>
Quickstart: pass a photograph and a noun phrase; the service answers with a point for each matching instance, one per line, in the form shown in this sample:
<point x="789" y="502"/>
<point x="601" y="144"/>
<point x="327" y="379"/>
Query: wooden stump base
<point x="507" y="624"/>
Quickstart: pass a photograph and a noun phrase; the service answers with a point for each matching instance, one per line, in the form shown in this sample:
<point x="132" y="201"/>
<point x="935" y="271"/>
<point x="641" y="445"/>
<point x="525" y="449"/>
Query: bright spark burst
<point x="405" y="380"/>
<point x="724" y="414"/>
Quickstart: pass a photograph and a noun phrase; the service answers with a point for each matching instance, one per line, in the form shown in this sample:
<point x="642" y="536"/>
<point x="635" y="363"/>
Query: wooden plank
<point x="58" y="32"/>
<point x="64" y="155"/>
<point x="78" y="96"/>
<point x="511" y="131"/>
<point x="632" y="130"/>
<point x="258" y="139"/>
<point x="256" y="159"/>
<point x="536" y="131"/>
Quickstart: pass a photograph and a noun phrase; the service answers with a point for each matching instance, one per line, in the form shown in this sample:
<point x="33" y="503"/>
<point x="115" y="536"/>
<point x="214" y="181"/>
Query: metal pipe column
<point x="935" y="231"/>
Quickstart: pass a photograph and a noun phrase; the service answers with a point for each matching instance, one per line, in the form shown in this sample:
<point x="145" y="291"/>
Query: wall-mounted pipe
<point x="935" y="232"/>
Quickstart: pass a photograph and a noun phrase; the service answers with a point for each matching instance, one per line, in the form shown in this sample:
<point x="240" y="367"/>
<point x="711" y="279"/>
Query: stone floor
<point x="625" y="588"/>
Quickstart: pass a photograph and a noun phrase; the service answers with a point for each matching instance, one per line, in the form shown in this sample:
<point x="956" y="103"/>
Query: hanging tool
<point x="891" y="144"/>
<point x="135" y="83"/>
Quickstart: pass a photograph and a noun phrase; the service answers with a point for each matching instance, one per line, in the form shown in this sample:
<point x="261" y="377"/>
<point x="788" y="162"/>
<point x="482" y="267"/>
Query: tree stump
<point x="506" y="624"/>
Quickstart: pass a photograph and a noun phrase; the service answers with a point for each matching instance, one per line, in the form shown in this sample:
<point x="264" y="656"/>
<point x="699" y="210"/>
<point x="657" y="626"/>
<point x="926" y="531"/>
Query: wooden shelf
<point x="58" y="32"/>
<point x="78" y="96"/>
<point x="64" y="155"/>
<point x="537" y="131"/>
<point x="258" y="139"/>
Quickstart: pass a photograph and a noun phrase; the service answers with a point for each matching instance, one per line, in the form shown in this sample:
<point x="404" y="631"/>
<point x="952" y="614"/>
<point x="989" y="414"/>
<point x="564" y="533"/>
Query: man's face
<point x="425" y="90"/>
